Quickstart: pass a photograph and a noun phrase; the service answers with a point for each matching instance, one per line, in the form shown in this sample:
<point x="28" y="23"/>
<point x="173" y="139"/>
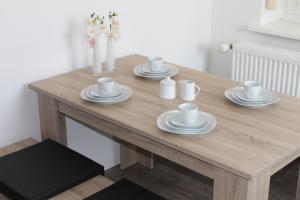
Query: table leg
<point x="130" y="154"/>
<point x="228" y="186"/>
<point x="52" y="122"/>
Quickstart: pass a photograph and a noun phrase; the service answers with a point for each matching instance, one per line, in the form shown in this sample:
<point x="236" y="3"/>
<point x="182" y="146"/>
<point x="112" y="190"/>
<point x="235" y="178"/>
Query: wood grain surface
<point x="246" y="142"/>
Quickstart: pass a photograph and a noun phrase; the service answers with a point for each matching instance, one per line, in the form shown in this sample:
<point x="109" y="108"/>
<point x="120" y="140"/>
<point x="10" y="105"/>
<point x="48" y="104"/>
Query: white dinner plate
<point x="171" y="127"/>
<point x="172" y="72"/>
<point x="92" y="91"/>
<point x="140" y="71"/>
<point x="144" y="68"/>
<point x="151" y="76"/>
<point x="230" y="94"/>
<point x="177" y="122"/>
<point x="265" y="95"/>
<point x="163" y="125"/>
<point x="126" y="94"/>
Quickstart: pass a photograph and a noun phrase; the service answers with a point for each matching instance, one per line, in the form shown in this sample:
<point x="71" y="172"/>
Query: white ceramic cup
<point x="252" y="89"/>
<point x="188" y="113"/>
<point x="155" y="63"/>
<point x="106" y="85"/>
<point x="188" y="90"/>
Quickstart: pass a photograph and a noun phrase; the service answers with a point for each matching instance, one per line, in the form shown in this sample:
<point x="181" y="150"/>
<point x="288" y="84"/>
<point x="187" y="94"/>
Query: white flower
<point x="97" y="21"/>
<point x="114" y="26"/>
<point x="95" y="30"/>
<point x="101" y="27"/>
<point x="91" y="32"/>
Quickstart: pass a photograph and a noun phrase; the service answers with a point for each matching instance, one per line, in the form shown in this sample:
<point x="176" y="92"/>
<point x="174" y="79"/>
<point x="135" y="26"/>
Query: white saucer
<point x="146" y="75"/>
<point x="177" y="122"/>
<point x="125" y="94"/>
<point x="172" y="72"/>
<point x="163" y="124"/>
<point x="144" y="68"/>
<point x="265" y="95"/>
<point x="231" y="94"/>
<point x="93" y="91"/>
<point x="171" y="127"/>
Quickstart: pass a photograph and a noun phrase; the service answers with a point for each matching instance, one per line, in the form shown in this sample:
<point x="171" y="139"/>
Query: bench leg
<point x="298" y="187"/>
<point x="52" y="122"/>
<point x="228" y="186"/>
<point x="130" y="155"/>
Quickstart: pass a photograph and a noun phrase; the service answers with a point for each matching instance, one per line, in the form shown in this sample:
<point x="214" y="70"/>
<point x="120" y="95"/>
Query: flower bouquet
<point x="112" y="34"/>
<point x="96" y="28"/>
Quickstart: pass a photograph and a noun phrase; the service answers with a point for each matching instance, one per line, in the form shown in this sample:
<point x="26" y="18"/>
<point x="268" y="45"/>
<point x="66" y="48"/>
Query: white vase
<point x="97" y="61"/>
<point x="110" y="57"/>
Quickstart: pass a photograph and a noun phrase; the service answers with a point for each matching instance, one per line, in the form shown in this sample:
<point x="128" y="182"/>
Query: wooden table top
<point x="246" y="141"/>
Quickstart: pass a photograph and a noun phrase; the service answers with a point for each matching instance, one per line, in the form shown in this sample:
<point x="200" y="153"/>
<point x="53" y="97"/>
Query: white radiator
<point x="277" y="69"/>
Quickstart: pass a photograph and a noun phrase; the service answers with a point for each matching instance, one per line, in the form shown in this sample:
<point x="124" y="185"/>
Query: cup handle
<point x="116" y="85"/>
<point x="179" y="114"/>
<point x="198" y="88"/>
<point x="241" y="86"/>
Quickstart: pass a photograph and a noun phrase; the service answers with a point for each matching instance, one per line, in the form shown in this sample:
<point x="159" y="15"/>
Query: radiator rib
<point x="277" y="69"/>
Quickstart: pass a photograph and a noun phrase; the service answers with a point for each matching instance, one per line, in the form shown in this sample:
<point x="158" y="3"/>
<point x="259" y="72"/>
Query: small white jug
<point x="188" y="90"/>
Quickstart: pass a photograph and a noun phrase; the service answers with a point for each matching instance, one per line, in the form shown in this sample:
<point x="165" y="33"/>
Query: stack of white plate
<point x="144" y="71"/>
<point x="170" y="122"/>
<point x="266" y="97"/>
<point x="120" y="94"/>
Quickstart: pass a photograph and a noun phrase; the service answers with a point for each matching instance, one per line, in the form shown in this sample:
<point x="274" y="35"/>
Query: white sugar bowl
<point x="167" y="88"/>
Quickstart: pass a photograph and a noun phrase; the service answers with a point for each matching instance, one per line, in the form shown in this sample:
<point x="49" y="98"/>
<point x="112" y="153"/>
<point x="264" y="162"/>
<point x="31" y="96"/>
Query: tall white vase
<point x="110" y="57"/>
<point x="97" y="61"/>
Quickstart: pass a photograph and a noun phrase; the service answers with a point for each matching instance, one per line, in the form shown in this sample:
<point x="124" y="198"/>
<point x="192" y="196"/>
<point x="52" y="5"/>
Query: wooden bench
<point x="47" y="151"/>
<point x="81" y="191"/>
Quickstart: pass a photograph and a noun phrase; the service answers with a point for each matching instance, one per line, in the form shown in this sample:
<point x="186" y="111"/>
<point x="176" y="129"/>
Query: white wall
<point x="229" y="25"/>
<point x="39" y="39"/>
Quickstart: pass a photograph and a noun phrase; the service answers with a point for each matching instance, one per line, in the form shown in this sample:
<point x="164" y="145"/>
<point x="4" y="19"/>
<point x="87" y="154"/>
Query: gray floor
<point x="175" y="182"/>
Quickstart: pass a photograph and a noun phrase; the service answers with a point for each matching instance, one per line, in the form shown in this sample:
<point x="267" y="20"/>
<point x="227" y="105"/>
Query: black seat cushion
<point x="125" y="189"/>
<point x="44" y="170"/>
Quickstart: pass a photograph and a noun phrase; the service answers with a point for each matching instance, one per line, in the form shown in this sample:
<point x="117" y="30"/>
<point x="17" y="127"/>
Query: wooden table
<point x="240" y="155"/>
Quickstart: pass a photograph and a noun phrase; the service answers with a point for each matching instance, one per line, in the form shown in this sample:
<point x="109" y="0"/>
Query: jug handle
<point x="198" y="88"/>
